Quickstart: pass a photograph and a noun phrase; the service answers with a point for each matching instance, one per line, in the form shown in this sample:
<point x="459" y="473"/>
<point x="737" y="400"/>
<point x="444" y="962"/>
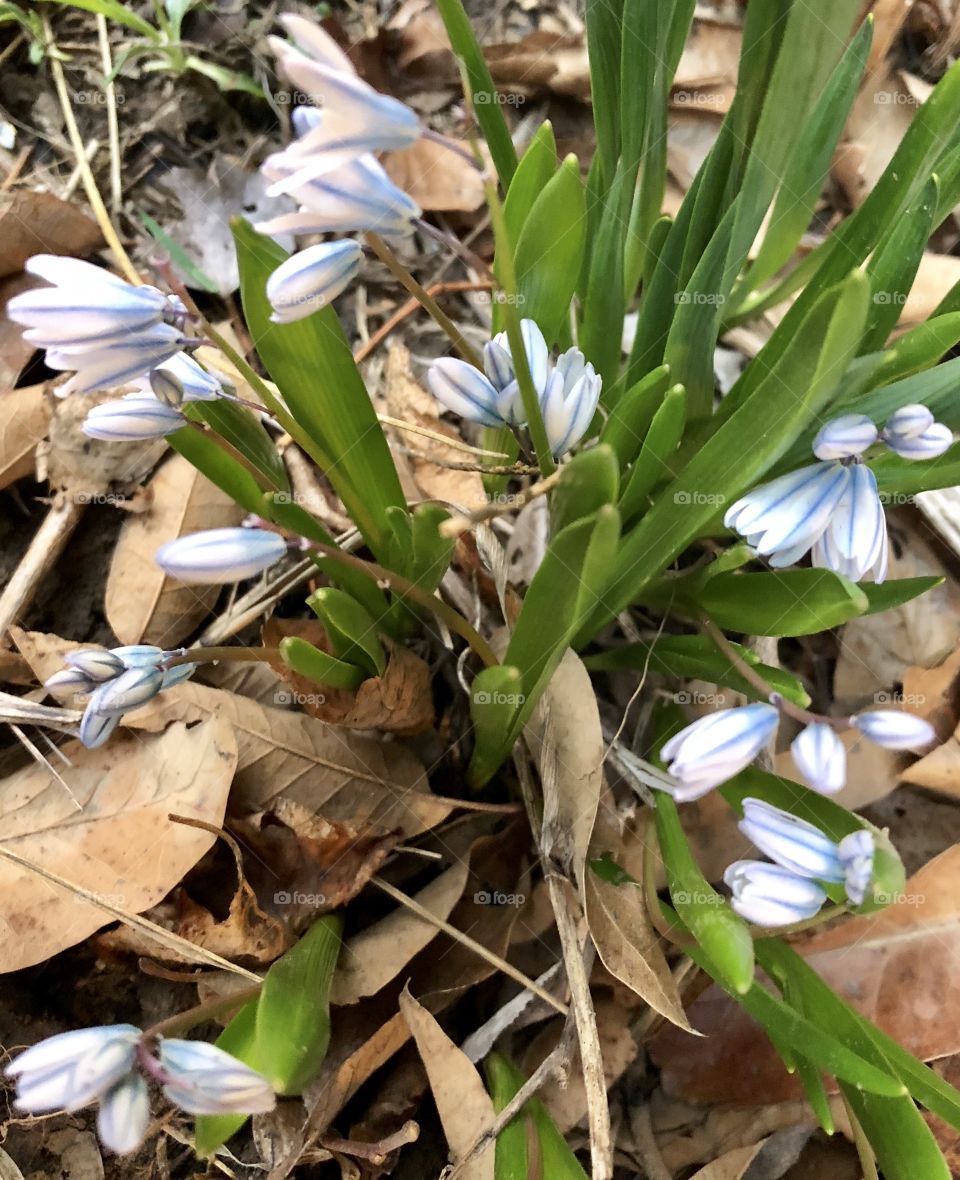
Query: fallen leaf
<point x="543" y="61"/>
<point x="897" y="967"/>
<point x="88" y="470"/>
<point x="399" y="701"/>
<point x="710" y="57"/>
<point x="408" y="401"/>
<point x="465" y="1107"/>
<point x="246" y="934"/>
<point x="15" y="352"/>
<point x="42" y="223"/>
<point x="566" y="740"/>
<point x="878" y="122"/>
<point x="110" y="834"/>
<point x="285" y="754"/>
<point x="303" y="865"/>
<point x="439" y="179"/>
<point x="939" y="770"/>
<point x="936" y="275"/>
<point x="142" y="604"/>
<point x="23" y="424"/>
<point x="732" y="1165"/>
<point x="370" y="959"/>
<point x="621" y="930"/>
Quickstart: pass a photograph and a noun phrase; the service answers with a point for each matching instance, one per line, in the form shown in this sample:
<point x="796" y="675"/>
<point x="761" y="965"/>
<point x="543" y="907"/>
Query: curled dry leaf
<point x="304" y="865"/>
<point x="23" y="424"/>
<point x="370" y="959"/>
<point x="465" y="1108"/>
<point x="897" y="967"/>
<point x="621" y="930"/>
<point x="285" y="755"/>
<point x="42" y="223"/>
<point x="142" y="604"/>
<point x="732" y="1165"/>
<point x="246" y="934"/>
<point x="408" y="401"/>
<point x="110" y="834"/>
<point x="399" y="701"/>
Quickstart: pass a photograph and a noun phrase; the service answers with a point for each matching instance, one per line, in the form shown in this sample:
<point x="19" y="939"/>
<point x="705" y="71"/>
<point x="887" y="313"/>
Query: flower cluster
<point x="110" y="1065"/>
<point x="831" y="508"/>
<point x="714" y="748"/>
<point x="791" y="889"/>
<point x="107" y="330"/>
<point x="568" y="391"/>
<point x="330" y="170"/>
<point x="114" y="682"/>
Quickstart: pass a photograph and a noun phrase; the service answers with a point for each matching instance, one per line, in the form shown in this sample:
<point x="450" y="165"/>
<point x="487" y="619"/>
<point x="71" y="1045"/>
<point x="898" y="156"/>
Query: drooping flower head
<point x="716" y="747"/>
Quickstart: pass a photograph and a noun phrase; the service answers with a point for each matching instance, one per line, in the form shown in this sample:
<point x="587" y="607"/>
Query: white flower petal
<point x="792" y="842"/>
<point x="821" y="757"/>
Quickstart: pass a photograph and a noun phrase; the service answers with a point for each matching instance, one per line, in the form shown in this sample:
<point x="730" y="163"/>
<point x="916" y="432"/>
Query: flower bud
<point x="769" y="895"/>
<point x="934" y="441"/>
<point x="463" y="390"/>
<point x="138" y="655"/>
<point x="202" y="1079"/>
<point x="793" y="843"/>
<point x="894" y="730"/>
<point x="69" y="680"/>
<point x="821" y="757"/>
<point x="856" y="852"/>
<point x="131" y="419"/>
<point x="96" y="728"/>
<point x="569" y="403"/>
<point x="220" y="555"/>
<point x="844" y="437"/>
<point x="310" y="279"/>
<point x="68" y="1071"/>
<point x="96" y="664"/>
<point x="129" y="690"/>
<point x="908" y="422"/>
<point x="717" y="747"/>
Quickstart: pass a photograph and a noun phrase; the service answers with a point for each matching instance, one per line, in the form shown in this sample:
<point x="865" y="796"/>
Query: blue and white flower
<point x="569" y="401"/>
<point x="73" y="1069"/>
<point x="223" y="555"/>
<point x="309" y="280"/>
<point x="845" y="437"/>
<point x="105" y="329"/>
<point x="186" y="381"/>
<point x="821" y="757"/>
<point x="133" y="418"/>
<point x="790" y="841"/>
<point x="932" y="443"/>
<point x="716" y="747"/>
<point x="768" y="895"/>
<point x="129" y="690"/>
<point x="894" y="730"/>
<point x="202" y="1079"/>
<point x="124" y="1115"/>
<point x="856" y="852"/>
<point x="854" y="543"/>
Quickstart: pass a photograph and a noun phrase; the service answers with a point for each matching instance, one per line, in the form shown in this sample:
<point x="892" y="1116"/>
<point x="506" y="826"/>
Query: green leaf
<point x="486" y="97"/>
<point x="889" y="595"/>
<point x="893" y="266"/>
<point x="293" y="1011"/>
<point x="604" y="303"/>
<point x="604" y="21"/>
<point x="239" y="1038"/>
<point x="590" y="480"/>
<point x="311" y="362"/>
<point x="350" y="629"/>
<point x="194" y="276"/>
<point x="781" y="602"/>
<point x="225" y="79"/>
<point x="722" y="934"/>
<point x="245" y="433"/>
<point x="114" y="10"/>
<point x="694" y="657"/>
<point x="537" y="165"/>
<point x="563" y="591"/>
<point x="221" y="468"/>
<point x="556" y="1160"/>
<point x="307" y="660"/>
<point x="629" y="420"/>
<point x="656" y="462"/>
<point x="549" y="250"/>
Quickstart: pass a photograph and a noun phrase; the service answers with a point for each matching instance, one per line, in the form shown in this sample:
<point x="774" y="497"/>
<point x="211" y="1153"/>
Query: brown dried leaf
<point x="246" y="934"/>
<point x="141" y="603"/>
<point x="732" y="1165"/>
<point x="378" y="954"/>
<point x="878" y="122"/>
<point x="85" y="468"/>
<point x="936" y="275"/>
<point x="710" y="56"/>
<point x="399" y="701"/>
<point x="465" y="1107"/>
<point x="409" y="401"/>
<point x="931" y="693"/>
<point x="23" y="424"/>
<point x="112" y="838"/>
<point x="438" y="179"/>
<point x="621" y="930"/>
<point x="14" y="350"/>
<point x="304" y="865"/>
<point x="282" y="754"/>
<point x="41" y="223"/>
<point x="542" y="61"/>
<point x="897" y="967"/>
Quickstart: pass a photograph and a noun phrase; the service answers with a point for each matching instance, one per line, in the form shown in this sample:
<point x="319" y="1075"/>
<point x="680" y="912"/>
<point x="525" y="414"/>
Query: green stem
<point x="200" y="1013"/>
<point x="511" y="319"/>
<point x="420" y="293"/>
<point x="234" y="655"/>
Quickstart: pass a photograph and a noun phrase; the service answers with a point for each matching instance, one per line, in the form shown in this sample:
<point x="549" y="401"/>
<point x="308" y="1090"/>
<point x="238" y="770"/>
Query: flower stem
<point x="235" y="655"/>
<point x="199" y="1013"/>
<point x="420" y="293"/>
